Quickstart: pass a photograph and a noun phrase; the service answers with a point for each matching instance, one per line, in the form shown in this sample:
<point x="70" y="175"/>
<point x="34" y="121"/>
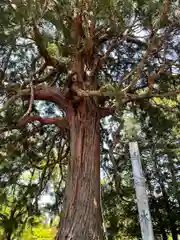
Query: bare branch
<point x="128" y="38"/>
<point x="30" y="102"/>
<point x="6" y="61"/>
<point x="141" y="65"/>
<point x="119" y="39"/>
<point x="153" y="78"/>
<point x="133" y="39"/>
<point x="46" y="78"/>
<point x="109" y="50"/>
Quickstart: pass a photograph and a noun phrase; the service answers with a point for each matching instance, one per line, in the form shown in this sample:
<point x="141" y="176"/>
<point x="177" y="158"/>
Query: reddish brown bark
<point x="81" y="218"/>
<point x="58" y="121"/>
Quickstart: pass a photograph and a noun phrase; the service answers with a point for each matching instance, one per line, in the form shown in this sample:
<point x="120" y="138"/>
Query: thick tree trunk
<point x="81" y="218"/>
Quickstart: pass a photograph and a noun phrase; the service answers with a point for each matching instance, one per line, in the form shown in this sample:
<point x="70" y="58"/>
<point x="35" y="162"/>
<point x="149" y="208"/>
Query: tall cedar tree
<point x="89" y="58"/>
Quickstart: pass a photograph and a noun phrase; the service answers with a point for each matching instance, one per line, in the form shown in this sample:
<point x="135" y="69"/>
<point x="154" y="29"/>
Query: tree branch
<point x="119" y="39"/>
<point x="133" y="39"/>
<point x="109" y="50"/>
<point x="60" y="122"/>
<point x="41" y="46"/>
<point x="133" y="97"/>
<point x="49" y="76"/>
<point x="51" y="61"/>
<point x="104" y="112"/>
<point x="128" y="38"/>
<point x="41" y="93"/>
<point x="30" y="102"/>
<point x="86" y="93"/>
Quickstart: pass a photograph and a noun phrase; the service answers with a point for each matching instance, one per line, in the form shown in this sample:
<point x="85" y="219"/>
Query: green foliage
<point x="41" y="232"/>
<point x="34" y="159"/>
<point x="131" y="127"/>
<point x="52" y="49"/>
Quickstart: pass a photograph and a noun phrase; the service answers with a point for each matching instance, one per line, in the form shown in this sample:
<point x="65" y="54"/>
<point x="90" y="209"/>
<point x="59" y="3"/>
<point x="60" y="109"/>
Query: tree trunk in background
<point x="162" y="227"/>
<point x="174" y="180"/>
<point x="164" y="235"/>
<point x="7" y="233"/>
<point x="172" y="222"/>
<point x="161" y="222"/>
<point x="8" y="236"/>
<point x="81" y="217"/>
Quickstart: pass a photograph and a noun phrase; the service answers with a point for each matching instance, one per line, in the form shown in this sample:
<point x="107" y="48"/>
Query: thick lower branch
<point x="40" y="93"/>
<point x="58" y="121"/>
<point x="47" y="93"/>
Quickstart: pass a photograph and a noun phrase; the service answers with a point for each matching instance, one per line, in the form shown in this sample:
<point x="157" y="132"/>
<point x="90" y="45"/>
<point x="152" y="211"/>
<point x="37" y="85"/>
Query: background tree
<point x="160" y="158"/>
<point x="85" y="57"/>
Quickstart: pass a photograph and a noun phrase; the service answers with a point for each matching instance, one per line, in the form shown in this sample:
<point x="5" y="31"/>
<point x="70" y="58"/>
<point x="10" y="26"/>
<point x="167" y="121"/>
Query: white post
<point x="142" y="198"/>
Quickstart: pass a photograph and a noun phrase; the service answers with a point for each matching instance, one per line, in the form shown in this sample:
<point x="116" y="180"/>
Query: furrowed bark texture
<point x="81" y="218"/>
